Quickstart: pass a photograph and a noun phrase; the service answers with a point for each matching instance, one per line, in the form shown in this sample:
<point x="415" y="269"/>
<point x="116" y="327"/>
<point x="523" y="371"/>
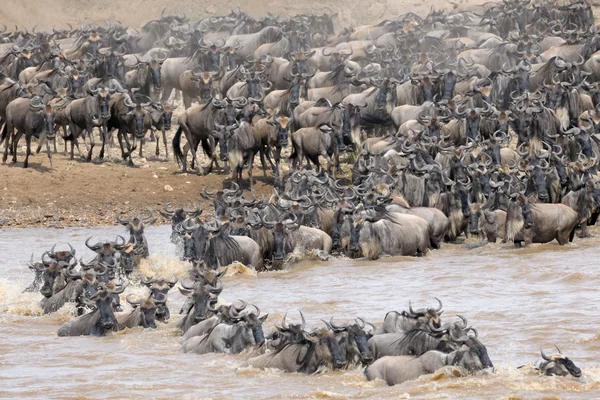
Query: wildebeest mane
<point x="417" y="342"/>
<point x="223" y="249"/>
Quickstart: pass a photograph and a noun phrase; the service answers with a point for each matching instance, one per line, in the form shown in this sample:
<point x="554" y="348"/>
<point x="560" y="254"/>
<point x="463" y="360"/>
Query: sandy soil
<point x="77" y="193"/>
<point x="136" y="12"/>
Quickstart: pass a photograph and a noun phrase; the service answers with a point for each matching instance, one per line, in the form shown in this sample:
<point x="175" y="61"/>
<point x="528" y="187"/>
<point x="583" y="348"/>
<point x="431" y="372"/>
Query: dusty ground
<point x="77" y="193"/>
<point x="136" y="12"/>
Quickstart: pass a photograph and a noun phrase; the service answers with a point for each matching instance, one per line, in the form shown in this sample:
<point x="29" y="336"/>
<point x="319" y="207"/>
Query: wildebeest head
<point x="355" y="337"/>
<point x="203" y="82"/>
<point x="292" y="333"/>
<point x="147" y="310"/>
<point x="167" y="116"/>
<point x="103" y="98"/>
<point x="328" y="348"/>
<point x="354" y="247"/>
<point x="202" y="296"/>
<point x="282" y="244"/>
<point x="558" y="365"/>
<point x="127" y="260"/>
<point x="48" y="118"/>
<point x="135" y="226"/>
<point x="254" y="322"/>
<point x="38" y="269"/>
<point x="159" y="288"/>
<point x="65" y="256"/>
<point x="54" y="279"/>
<point x="178" y="215"/>
<point x="104" y="303"/>
<point x="429" y="314"/>
<point x="155" y="67"/>
<point x="223" y="134"/>
<point x="195" y="238"/>
<point x="138" y="116"/>
<point x="526" y="210"/>
<point x="282" y="129"/>
<point x="472" y="356"/>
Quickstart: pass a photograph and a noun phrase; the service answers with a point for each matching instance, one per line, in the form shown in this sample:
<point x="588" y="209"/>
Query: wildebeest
<point x="213" y="246"/>
<point x="353" y="341"/>
<point x="389" y="233"/>
<point x="90" y="112"/>
<point x="558" y="365"/>
<point x="234" y="338"/>
<point x="197" y="309"/>
<point x="32" y="118"/>
<point x="98" y="322"/>
<point x="394" y="370"/>
<point x="539" y="223"/>
<point x="405" y="321"/>
<point x="310" y="143"/>
<point x="143" y="314"/>
<point x="321" y="352"/>
<point x="486" y="223"/>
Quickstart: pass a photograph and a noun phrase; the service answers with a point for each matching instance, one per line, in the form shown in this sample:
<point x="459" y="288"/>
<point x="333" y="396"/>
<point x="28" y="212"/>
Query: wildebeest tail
<point x="4" y="133"/>
<point x="375" y="119"/>
<point x="177" y="147"/>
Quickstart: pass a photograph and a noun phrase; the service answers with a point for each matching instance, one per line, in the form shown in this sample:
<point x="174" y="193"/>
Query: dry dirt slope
<point x="45" y="14"/>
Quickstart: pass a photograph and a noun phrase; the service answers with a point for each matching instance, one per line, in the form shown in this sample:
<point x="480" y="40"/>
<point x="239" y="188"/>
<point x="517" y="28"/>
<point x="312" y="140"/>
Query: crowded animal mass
<point x="429" y="223"/>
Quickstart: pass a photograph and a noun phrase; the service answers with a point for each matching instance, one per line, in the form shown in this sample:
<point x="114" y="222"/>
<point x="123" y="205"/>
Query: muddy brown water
<point x="518" y="300"/>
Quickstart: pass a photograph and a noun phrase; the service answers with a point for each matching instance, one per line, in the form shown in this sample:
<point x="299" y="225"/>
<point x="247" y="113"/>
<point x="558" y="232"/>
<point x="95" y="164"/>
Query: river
<point x="519" y="300"/>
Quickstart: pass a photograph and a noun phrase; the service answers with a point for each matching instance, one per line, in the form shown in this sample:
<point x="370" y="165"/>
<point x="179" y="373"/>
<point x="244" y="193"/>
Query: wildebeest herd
<point x="479" y="122"/>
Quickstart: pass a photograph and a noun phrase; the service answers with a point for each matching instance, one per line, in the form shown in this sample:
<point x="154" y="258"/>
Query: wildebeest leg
<point x="54" y="144"/>
<point x="187" y="101"/>
<point x="166" y="93"/>
<point x="164" y="135"/>
<point x="15" y="142"/>
<point x="28" y="151"/>
<point x="50" y="153"/>
<point x="6" y="134"/>
<point x="250" y="165"/>
<point x="41" y="141"/>
<point x="90" y="131"/>
<point x="103" y="135"/>
<point x="192" y="146"/>
<point x="152" y="136"/>
<point x="208" y="149"/>
<point x="330" y="163"/>
<point x="141" y="153"/>
<point x="274" y="168"/>
<point x="263" y="162"/>
<point x="120" y="139"/>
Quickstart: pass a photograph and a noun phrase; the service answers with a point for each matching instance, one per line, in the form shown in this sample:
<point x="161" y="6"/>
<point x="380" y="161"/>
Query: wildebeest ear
<point x="490" y="216"/>
<point x="263" y="318"/>
<point x="270" y="122"/>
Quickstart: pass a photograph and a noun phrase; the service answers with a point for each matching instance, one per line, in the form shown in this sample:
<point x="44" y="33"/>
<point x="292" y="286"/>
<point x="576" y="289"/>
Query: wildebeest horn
<point x="207" y="194"/>
<point x="122" y="221"/>
<point x="464" y="320"/>
<point x="147" y="282"/>
<point x="169" y="210"/>
<point x="337" y="328"/>
<point x="545" y="357"/>
<point x="241" y="308"/>
<point x="283" y="324"/>
<point x="72" y="252"/>
<point x="303" y="320"/>
<point x="440" y="303"/>
<point x="218" y="288"/>
<point x="134" y="304"/>
<point x="94" y="247"/>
